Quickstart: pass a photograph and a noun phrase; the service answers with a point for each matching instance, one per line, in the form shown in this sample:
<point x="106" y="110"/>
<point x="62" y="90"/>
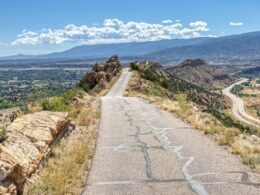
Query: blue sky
<point x="34" y="27"/>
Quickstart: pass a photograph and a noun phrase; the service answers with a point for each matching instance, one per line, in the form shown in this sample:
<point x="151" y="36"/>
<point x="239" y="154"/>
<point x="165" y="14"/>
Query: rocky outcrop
<point x="28" y="143"/>
<point x="101" y="74"/>
<point x="7" y="116"/>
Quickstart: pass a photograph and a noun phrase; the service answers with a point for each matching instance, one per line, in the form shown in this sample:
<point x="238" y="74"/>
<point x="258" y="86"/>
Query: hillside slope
<point x="200" y="73"/>
<point x="207" y="100"/>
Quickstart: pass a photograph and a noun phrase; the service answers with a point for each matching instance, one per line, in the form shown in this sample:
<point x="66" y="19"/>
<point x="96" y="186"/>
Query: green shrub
<point x="133" y="66"/>
<point x="155" y="91"/>
<point x="55" y="104"/>
<point x="85" y="84"/>
<point x="72" y="93"/>
<point x="6" y="104"/>
<point x="149" y="75"/>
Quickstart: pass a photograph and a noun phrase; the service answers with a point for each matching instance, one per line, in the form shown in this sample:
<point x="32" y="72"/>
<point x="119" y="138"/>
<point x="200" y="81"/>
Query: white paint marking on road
<point x="127" y="182"/>
<point x="165" y="143"/>
<point x="122" y="147"/>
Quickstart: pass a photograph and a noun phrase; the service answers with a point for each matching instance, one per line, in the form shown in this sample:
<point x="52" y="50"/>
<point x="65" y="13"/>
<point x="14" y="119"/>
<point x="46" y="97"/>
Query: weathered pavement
<point x="238" y="109"/>
<point x="143" y="150"/>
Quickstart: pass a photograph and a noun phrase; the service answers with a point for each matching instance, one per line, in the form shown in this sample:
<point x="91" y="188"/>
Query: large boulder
<point x="28" y="143"/>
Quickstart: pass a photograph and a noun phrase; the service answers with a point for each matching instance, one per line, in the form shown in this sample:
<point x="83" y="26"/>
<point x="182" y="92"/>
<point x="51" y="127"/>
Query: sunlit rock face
<point x="28" y="143"/>
<point x="101" y="74"/>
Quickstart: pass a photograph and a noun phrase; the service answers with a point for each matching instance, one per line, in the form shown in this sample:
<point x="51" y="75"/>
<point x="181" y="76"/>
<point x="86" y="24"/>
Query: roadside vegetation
<point x="66" y="170"/>
<point x="202" y="109"/>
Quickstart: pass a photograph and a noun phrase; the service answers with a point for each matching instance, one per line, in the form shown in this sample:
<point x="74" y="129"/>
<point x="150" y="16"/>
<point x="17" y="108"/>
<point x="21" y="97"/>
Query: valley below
<point x="164" y="121"/>
<point x="129" y="97"/>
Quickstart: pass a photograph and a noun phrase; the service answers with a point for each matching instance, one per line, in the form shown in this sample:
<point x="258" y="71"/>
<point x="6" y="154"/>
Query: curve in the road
<point x="238" y="109"/>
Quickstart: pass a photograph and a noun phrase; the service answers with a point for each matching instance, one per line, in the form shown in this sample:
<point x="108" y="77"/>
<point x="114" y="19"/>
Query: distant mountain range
<point x="236" y="47"/>
<point x="107" y="50"/>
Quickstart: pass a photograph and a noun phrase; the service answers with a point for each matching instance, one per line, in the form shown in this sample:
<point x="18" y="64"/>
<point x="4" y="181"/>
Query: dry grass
<point x="66" y="170"/>
<point x="238" y="143"/>
<point x="248" y="147"/>
<point x="252" y="105"/>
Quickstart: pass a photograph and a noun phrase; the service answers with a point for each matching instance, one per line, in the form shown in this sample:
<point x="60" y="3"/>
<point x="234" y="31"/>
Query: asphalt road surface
<point x="144" y="150"/>
<point x="238" y="106"/>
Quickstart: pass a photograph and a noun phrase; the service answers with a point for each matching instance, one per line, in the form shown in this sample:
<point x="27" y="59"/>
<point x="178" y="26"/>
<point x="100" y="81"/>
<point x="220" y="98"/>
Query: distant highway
<point x="238" y="106"/>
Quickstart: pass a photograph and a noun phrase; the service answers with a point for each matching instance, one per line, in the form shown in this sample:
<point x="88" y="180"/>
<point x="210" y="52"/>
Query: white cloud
<point x="199" y="25"/>
<point x="169" y="21"/>
<point x="236" y="23"/>
<point x="112" y="31"/>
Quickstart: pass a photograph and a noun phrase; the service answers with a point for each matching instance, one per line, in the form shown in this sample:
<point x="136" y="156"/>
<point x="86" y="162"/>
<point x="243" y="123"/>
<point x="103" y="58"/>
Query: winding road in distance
<point x="144" y="150"/>
<point x="238" y="109"/>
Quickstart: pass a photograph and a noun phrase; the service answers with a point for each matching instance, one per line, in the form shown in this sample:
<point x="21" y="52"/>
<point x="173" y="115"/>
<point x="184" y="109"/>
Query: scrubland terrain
<point x="196" y="98"/>
<point x="213" y="118"/>
<point x="70" y="160"/>
<point x="57" y="163"/>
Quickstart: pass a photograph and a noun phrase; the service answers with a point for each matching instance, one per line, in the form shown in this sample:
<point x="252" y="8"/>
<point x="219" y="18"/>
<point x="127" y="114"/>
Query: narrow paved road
<point x="238" y="106"/>
<point x="144" y="150"/>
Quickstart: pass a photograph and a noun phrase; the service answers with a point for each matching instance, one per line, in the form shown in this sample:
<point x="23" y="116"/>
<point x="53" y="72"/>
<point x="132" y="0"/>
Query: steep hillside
<point x="206" y="100"/>
<point x="200" y="73"/>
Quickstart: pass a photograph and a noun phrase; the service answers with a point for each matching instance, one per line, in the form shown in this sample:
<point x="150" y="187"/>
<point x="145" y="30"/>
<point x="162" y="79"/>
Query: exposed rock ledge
<point x="7" y="116"/>
<point x="28" y="143"/>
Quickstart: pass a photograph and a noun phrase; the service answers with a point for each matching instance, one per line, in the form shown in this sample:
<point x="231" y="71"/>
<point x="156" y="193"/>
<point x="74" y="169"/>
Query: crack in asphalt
<point x="142" y="145"/>
<point x="165" y="144"/>
<point x="160" y="134"/>
<point x="195" y="185"/>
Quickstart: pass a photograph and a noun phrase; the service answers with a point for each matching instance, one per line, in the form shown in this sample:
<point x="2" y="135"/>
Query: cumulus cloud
<point x="112" y="31"/>
<point x="199" y="25"/>
<point x="169" y="21"/>
<point x="236" y="23"/>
